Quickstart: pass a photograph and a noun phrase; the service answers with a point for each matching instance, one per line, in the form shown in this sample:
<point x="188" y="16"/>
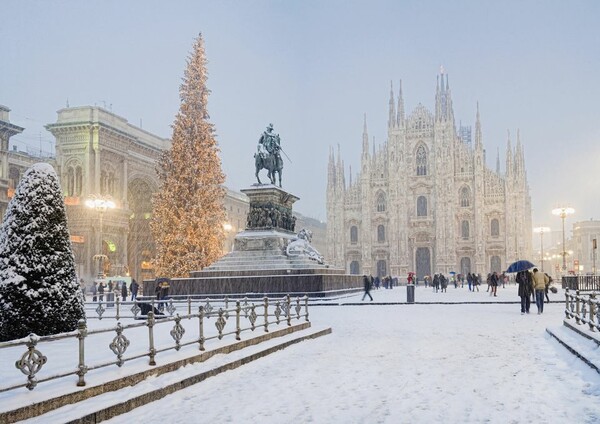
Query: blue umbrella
<point x="518" y="266"/>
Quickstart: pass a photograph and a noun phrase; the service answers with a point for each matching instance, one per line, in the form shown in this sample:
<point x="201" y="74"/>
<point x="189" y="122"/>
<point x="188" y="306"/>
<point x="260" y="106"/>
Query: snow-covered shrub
<point x="39" y="292"/>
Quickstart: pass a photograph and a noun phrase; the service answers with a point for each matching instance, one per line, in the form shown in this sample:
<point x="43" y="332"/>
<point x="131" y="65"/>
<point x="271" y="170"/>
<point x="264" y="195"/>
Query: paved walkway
<point x="426" y="363"/>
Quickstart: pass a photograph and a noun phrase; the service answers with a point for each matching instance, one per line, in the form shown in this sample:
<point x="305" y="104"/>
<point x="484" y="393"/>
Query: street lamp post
<point x="563" y="213"/>
<point x="100" y="204"/>
<point x="542" y="230"/>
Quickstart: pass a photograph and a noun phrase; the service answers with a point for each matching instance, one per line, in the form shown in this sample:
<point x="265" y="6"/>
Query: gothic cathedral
<point x="426" y="202"/>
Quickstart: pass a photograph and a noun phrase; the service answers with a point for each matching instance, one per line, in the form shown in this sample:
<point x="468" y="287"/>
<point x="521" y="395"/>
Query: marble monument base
<point x="263" y="261"/>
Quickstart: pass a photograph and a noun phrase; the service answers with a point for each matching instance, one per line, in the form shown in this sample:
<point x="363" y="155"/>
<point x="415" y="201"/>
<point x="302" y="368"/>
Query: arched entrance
<point x="381" y="268"/>
<point x="422" y="262"/>
<point x="140" y="243"/>
<point x="465" y="265"/>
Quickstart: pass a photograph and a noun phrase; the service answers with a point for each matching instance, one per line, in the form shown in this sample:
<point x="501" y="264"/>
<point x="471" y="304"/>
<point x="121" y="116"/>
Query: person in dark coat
<point x="133" y="288"/>
<point x="525" y="290"/>
<point x="123" y="291"/>
<point x="367" y="284"/>
<point x="101" y="291"/>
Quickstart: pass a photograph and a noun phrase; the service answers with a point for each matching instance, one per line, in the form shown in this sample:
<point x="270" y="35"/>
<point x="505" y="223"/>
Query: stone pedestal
<point x="259" y="262"/>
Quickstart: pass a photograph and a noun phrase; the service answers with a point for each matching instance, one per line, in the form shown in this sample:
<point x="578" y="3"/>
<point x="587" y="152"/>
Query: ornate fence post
<point x="289" y="309"/>
<point x="201" y="326"/>
<point x="577" y="308"/>
<point x="81" y="368"/>
<point x="238" y="312"/>
<point x="306" y="307"/>
<point x="593" y="307"/>
<point x="189" y="300"/>
<point x="220" y="324"/>
<point x="150" y="324"/>
<point x="266" y="305"/>
<point x="298" y="307"/>
<point x="31" y="362"/>
<point x="118" y="302"/>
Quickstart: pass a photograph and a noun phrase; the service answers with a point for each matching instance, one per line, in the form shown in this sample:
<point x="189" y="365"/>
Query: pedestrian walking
<point x="123" y="291"/>
<point x="525" y="288"/>
<point x="82" y="286"/>
<point x="94" y="291"/>
<point x="133" y="288"/>
<point x="367" y="284"/>
<point x="101" y="291"/>
<point x="539" y="285"/>
<point x="548" y="287"/>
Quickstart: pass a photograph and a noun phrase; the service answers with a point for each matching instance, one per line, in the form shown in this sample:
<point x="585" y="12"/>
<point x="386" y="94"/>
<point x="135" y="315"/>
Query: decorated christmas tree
<point x="39" y="292"/>
<point x="188" y="216"/>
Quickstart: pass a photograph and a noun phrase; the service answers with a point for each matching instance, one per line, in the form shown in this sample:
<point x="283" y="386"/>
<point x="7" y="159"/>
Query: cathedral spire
<point x="331" y="171"/>
<point x="478" y="136"/>
<point x="400" y="107"/>
<point x="519" y="158"/>
<point x="498" y="161"/>
<point x="443" y="99"/>
<point x="392" y="113"/>
<point x="365" y="146"/>
<point x="509" y="157"/>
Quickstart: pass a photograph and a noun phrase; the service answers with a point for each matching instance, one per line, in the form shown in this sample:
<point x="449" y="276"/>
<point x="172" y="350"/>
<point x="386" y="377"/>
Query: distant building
<point x="584" y="244"/>
<point x="425" y="201"/>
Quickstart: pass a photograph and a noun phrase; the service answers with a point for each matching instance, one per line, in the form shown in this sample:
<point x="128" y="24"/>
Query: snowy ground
<point x="404" y="363"/>
<point x="422" y="363"/>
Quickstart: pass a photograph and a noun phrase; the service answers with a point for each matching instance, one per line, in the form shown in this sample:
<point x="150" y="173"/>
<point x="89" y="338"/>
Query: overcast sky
<point x="314" y="68"/>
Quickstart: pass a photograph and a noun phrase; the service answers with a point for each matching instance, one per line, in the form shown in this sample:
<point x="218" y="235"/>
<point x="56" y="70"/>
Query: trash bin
<point x="410" y="293"/>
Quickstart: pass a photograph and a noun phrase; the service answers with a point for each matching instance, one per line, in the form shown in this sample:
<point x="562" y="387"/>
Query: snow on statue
<point x="38" y="286"/>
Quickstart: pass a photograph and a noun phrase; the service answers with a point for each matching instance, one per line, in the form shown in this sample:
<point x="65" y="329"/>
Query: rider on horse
<point x="268" y="156"/>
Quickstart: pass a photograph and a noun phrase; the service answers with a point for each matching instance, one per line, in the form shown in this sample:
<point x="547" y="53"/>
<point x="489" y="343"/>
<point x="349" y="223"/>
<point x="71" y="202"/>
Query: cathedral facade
<point x="425" y="201"/>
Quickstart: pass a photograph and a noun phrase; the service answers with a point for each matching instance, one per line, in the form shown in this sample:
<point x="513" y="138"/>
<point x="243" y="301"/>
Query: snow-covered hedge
<point x="39" y="292"/>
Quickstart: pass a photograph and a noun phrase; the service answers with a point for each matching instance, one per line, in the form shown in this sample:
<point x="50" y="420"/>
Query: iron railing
<point x="246" y="316"/>
<point x="583" y="307"/>
<point x="581" y="282"/>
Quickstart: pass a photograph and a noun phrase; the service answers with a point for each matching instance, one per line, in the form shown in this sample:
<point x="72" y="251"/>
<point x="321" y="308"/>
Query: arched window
<point x="421" y="161"/>
<point x="380" y="233"/>
<point x="465" y="197"/>
<point x="381" y="202"/>
<point x="70" y="181"/>
<point x="354" y="268"/>
<point x="78" y="181"/>
<point x="421" y="206"/>
<point x="495" y="228"/>
<point x="353" y="234"/>
<point x="464" y="229"/>
<point x="495" y="265"/>
<point x="14" y="177"/>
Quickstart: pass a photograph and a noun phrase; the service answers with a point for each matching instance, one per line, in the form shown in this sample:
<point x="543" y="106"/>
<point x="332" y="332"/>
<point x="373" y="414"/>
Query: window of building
<point x="380" y="233"/>
<point x="381" y="202"/>
<point x="465" y="197"/>
<point x="464" y="229"/>
<point x="421" y="161"/>
<point x="421" y="206"/>
<point x="353" y="234"/>
<point x="495" y="228"/>
<point x="354" y="268"/>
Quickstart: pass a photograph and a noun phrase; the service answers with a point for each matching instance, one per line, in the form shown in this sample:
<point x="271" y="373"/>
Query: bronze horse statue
<point x="272" y="163"/>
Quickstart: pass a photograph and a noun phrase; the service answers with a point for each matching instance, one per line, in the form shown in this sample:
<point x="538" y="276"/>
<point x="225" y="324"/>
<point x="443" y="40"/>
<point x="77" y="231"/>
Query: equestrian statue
<point x="268" y="155"/>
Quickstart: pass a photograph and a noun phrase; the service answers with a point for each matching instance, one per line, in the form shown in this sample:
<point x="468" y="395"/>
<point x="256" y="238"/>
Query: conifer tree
<point x="188" y="211"/>
<point x="39" y="292"/>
